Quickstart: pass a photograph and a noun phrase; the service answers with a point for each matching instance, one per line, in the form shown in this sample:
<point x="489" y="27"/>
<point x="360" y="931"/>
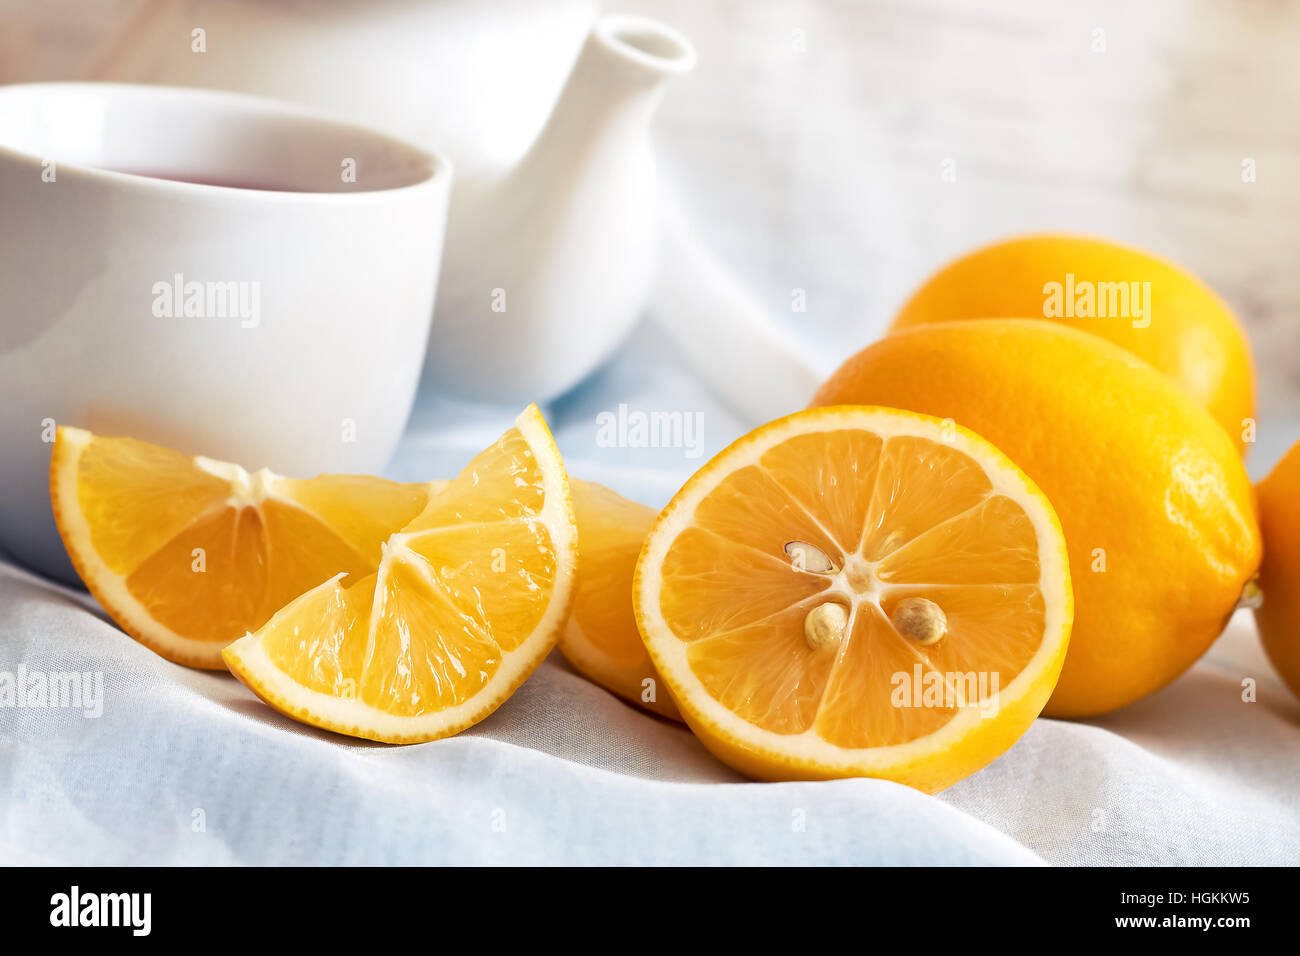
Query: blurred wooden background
<point x="811" y="140"/>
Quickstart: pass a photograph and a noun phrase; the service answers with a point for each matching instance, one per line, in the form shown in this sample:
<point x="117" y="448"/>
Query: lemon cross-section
<point x="857" y="591"/>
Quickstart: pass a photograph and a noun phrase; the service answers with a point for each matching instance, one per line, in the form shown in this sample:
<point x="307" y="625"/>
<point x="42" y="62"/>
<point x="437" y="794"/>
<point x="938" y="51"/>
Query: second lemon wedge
<point x="467" y="600"/>
<point x="601" y="640"/>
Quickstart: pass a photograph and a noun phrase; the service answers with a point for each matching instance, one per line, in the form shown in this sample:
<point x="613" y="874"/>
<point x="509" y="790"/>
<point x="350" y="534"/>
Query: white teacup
<point x="268" y="304"/>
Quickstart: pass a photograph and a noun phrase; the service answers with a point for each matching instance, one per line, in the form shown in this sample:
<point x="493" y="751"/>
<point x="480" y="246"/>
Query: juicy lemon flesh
<point x="932" y="526"/>
<point x="601" y="639"/>
<point x="136" y="497"/>
<point x="211" y="552"/>
<point x="611" y="530"/>
<point x="362" y="511"/>
<point x="457" y="590"/>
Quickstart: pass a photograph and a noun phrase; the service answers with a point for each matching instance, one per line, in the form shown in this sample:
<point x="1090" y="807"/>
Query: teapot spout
<point x="617" y="80"/>
<point x="548" y="268"/>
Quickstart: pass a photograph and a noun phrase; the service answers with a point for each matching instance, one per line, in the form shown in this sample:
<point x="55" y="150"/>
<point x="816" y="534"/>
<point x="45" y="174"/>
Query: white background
<point x="820" y="169"/>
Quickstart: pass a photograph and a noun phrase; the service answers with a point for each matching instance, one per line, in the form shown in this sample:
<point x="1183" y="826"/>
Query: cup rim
<point x="439" y="168"/>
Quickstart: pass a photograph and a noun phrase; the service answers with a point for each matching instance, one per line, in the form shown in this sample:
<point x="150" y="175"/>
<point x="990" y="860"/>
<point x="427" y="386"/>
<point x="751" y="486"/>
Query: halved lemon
<point x="854" y="591"/>
<point x="467" y="600"/>
<point x="187" y="554"/>
<point x="601" y="640"/>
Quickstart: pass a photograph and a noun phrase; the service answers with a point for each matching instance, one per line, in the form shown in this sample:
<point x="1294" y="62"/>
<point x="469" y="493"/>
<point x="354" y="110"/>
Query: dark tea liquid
<point x="204" y="180"/>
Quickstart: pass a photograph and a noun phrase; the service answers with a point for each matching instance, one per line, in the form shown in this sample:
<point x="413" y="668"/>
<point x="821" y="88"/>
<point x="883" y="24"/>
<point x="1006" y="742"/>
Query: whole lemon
<point x="1279" y="519"/>
<point x="1153" y="498"/>
<point x="1151" y="307"/>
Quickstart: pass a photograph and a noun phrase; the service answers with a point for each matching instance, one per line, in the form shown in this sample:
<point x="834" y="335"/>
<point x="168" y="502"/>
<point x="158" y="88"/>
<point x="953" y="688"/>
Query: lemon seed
<point x="824" y="625"/>
<point x="920" y="619"/>
<point x="808" y="557"/>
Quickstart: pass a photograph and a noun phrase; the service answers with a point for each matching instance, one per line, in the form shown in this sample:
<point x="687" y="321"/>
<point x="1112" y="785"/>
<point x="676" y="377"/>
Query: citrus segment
<point x="764" y="672"/>
<point x="134" y="496"/>
<point x="316" y="628"/>
<point x="362" y="511"/>
<point x="208" y="582"/>
<point x="864" y="676"/>
<point x="422" y="654"/>
<point x="709" y="597"/>
<point x="505" y="572"/>
<point x="904" y="464"/>
<point x="995" y="541"/>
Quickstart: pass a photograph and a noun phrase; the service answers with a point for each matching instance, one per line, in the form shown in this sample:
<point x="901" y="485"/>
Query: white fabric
<point x="566" y="773"/>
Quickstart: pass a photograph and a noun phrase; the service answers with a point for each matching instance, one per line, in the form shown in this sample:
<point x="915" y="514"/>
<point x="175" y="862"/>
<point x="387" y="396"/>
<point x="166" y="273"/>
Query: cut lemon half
<point x="601" y="640"/>
<point x="854" y="591"/>
<point x="187" y="554"/>
<point x="467" y="600"/>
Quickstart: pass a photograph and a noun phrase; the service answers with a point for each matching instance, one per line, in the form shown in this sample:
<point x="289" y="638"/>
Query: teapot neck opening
<point x="648" y="43"/>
